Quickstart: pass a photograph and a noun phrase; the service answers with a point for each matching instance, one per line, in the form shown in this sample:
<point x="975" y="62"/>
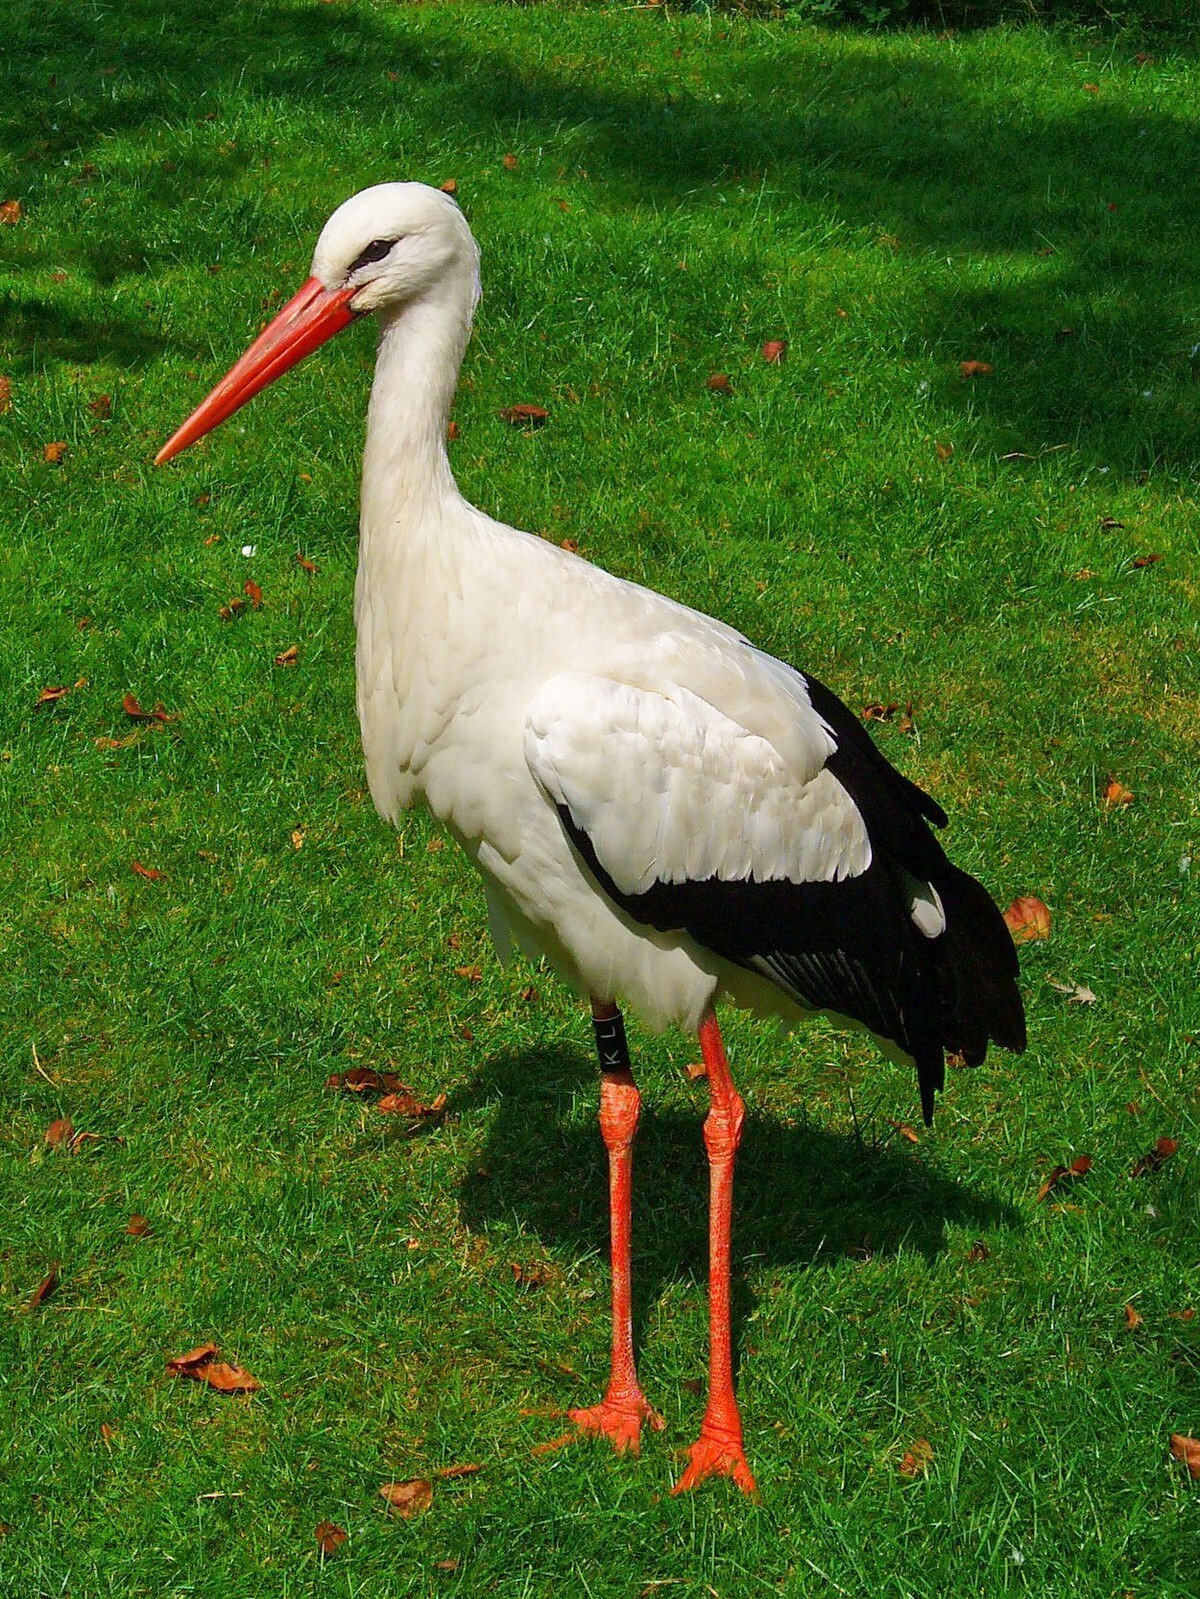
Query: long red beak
<point x="306" y="321"/>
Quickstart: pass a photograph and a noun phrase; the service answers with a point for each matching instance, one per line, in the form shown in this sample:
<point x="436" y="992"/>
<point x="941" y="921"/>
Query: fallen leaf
<point x="944" y="451"/>
<point x="977" y="1252"/>
<point x="201" y="1364"/>
<point x="975" y="369"/>
<point x="289" y="657"/>
<point x="916" y="1460"/>
<point x="1141" y="561"/>
<point x="360" y="1079"/>
<point x="54" y="452"/>
<point x="227" y="1379"/>
<point x="49" y="696"/>
<point x="445" y="1565"/>
<point x="1027" y="918"/>
<point x="44" y="1289"/>
<point x="1182" y="1315"/>
<point x="1079" y="1167"/>
<point x="448" y="1473"/>
<point x="1115" y="794"/>
<point x="878" y="712"/>
<point x="453" y="431"/>
<point x="774" y="350"/>
<point x="1091" y="88"/>
<point x="107" y="1431"/>
<point x="253" y="593"/>
<point x="138" y="1226"/>
<point x="530" y="995"/>
<point x="1076" y="993"/>
<point x="5" y="394"/>
<point x="510" y="162"/>
<point x="1187" y="1452"/>
<point x="330" y="1537"/>
<point x="101" y="407"/>
<point x="696" y="1071"/>
<point x="406" y="1103"/>
<point x="10" y="212"/>
<point x="408" y="1498"/>
<point x="1151" y="1161"/>
<point x="1109" y="523"/>
<point x="571" y="546"/>
<point x="719" y="383"/>
<point x="308" y="566"/>
<point x="450" y="186"/>
<point x="473" y="974"/>
<point x="1132" y="1318"/>
<point x="524" y="416"/>
<point x="182" y="1365"/>
<point x="151" y="873"/>
<point x="103" y="743"/>
<point x="906" y="1131"/>
<point x="228" y="612"/>
<point x="60" y="1131"/>
<point x="132" y="709"/>
<point x="297" y="838"/>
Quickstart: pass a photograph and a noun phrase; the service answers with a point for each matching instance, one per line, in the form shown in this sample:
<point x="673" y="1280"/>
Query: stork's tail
<point x="977" y="973"/>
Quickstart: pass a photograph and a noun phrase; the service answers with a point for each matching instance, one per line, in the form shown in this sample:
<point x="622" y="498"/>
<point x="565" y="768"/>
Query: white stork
<point x="661" y="811"/>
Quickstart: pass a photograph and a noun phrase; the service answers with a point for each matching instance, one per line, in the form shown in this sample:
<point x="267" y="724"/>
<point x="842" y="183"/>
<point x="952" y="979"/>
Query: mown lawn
<point x="1014" y="554"/>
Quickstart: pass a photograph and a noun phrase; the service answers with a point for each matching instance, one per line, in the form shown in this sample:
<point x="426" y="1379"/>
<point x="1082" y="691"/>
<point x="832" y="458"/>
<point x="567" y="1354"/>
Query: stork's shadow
<point x="802" y="1195"/>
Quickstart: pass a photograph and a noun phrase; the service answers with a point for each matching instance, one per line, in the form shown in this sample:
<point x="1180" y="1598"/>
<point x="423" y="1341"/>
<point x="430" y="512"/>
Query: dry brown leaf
<point x="253" y="593"/>
<point x="228" y="612"/>
<point x="330" y="1537"/>
<point x="151" y="873"/>
<point x="408" y="1498"/>
<point x="510" y="162"/>
<point x="468" y="1468"/>
<point x="406" y="1103"/>
<point x="1079" y="1167"/>
<point x="975" y="369"/>
<point x="10" y="212"/>
<point x="878" y="712"/>
<point x="5" y="394"/>
<point x="1116" y="794"/>
<point x="297" y="838"/>
<point x="473" y="974"/>
<point x="1163" y="1149"/>
<point x="906" y="1132"/>
<point x="138" y="1226"/>
<point x="133" y="710"/>
<point x="1091" y="88"/>
<point x="1027" y="918"/>
<point x="524" y="416"/>
<point x="1182" y="1315"/>
<point x="107" y="1431"/>
<point x="1187" y="1452"/>
<point x="696" y="1070"/>
<point x="530" y="995"/>
<point x="182" y="1365"/>
<point x="977" y="1252"/>
<point x="44" y="1289"/>
<point x="226" y="1379"/>
<point x="774" y="350"/>
<point x="103" y="743"/>
<point x="60" y="1131"/>
<point x="101" y="407"/>
<point x="1140" y="561"/>
<point x="308" y="566"/>
<point x="450" y="186"/>
<point x="289" y="657"/>
<point x="51" y="695"/>
<point x="916" y="1460"/>
<point x="719" y="383"/>
<point x="54" y="451"/>
<point x="1132" y="1318"/>
<point x="944" y="451"/>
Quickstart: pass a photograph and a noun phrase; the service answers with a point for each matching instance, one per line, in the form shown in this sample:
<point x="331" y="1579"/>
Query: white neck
<point x="406" y="475"/>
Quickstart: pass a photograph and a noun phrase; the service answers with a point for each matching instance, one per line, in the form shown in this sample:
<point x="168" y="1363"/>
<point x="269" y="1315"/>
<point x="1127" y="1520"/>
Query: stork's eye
<point x="375" y="251"/>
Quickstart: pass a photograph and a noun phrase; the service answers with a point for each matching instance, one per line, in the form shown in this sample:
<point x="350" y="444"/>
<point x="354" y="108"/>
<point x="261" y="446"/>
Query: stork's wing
<point x="667" y="789"/>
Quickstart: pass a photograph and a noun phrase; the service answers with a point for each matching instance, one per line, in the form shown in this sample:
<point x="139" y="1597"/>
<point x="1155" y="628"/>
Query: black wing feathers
<point x="852" y="947"/>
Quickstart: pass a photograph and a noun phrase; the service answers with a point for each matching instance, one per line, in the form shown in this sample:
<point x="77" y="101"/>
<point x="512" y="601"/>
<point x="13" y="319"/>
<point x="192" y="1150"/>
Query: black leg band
<point x="610" y="1042"/>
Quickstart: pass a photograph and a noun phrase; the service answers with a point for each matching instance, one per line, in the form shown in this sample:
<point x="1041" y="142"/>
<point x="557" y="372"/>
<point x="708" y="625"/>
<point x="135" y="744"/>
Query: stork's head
<point x="383" y="249"/>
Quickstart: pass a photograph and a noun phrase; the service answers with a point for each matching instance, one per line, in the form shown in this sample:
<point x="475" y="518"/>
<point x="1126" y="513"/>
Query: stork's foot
<point x="619" y="1420"/>
<point x="717" y="1455"/>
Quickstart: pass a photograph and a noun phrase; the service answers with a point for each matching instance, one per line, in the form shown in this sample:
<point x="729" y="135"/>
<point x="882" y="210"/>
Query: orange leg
<point x="718" y="1451"/>
<point x="620" y="1414"/>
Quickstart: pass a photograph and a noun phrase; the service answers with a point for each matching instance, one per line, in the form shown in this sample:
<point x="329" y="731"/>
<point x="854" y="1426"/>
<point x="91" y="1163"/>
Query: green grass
<point x="684" y="189"/>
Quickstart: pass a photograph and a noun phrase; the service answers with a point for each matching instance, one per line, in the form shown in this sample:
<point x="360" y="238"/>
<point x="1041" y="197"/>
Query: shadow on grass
<point x="802" y="1195"/>
<point x="908" y="145"/>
